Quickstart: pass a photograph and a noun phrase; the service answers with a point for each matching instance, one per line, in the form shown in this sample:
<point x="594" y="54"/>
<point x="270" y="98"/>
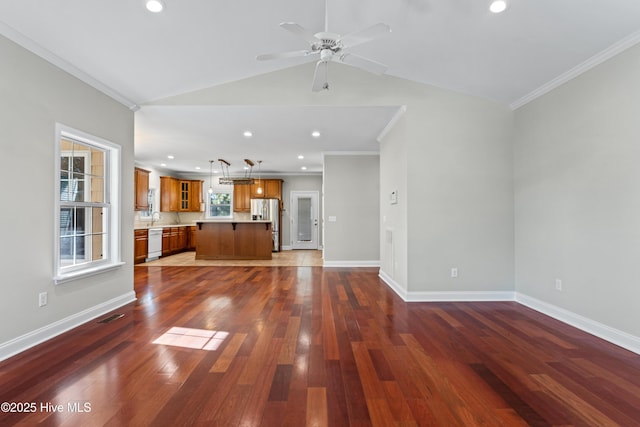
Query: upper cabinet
<point x="180" y="195"/>
<point x="195" y="196"/>
<point x="241" y="198"/>
<point x="242" y="194"/>
<point x="271" y="189"/>
<point x="141" y="189"/>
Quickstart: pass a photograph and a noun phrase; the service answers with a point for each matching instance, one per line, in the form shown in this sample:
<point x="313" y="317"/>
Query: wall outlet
<point x="42" y="299"/>
<point x="454" y="272"/>
<point x="558" y="285"/>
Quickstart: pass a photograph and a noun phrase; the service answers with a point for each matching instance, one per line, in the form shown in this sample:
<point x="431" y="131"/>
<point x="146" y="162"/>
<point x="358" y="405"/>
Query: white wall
<point x="34" y="95"/>
<point x="351" y="185"/>
<point x="577" y="187"/>
<point x="460" y="198"/>
<point x="393" y="225"/>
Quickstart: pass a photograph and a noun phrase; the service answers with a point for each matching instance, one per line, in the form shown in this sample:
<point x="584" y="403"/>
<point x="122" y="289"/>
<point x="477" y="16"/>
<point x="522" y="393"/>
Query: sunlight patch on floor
<point x="200" y="339"/>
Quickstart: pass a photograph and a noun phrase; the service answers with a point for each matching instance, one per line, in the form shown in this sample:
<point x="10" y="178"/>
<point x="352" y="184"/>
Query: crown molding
<point x="585" y="66"/>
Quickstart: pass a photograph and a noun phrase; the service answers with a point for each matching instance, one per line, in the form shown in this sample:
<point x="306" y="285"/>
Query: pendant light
<point x="259" y="190"/>
<point x="211" y="176"/>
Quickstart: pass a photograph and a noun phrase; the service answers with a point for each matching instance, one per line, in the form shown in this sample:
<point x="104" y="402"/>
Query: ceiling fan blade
<point x="320" y="76"/>
<point x="281" y="55"/>
<point x="363" y="63"/>
<point x="300" y="31"/>
<point x="363" y="36"/>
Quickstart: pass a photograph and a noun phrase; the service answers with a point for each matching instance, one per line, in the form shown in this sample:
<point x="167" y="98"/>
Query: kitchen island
<point x="233" y="240"/>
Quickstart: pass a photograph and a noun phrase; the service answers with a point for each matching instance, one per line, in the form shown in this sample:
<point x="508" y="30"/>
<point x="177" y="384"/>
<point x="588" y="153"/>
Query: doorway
<point x="304" y="220"/>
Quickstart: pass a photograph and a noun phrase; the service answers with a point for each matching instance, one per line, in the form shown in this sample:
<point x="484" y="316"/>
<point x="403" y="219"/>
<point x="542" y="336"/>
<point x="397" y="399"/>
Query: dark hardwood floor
<point x="295" y="346"/>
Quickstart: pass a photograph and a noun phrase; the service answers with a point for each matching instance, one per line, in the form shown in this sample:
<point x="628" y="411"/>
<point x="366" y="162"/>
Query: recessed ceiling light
<point x="304" y="168"/>
<point x="197" y="167"/>
<point x="154" y="6"/>
<point x="163" y="164"/>
<point x="498" y="6"/>
<point x="170" y="157"/>
<point x="248" y="134"/>
<point x="315" y="134"/>
<point x="300" y="157"/>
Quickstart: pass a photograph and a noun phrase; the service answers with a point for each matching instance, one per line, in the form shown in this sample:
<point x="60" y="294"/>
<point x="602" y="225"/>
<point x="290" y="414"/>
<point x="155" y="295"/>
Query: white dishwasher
<point x="154" y="250"/>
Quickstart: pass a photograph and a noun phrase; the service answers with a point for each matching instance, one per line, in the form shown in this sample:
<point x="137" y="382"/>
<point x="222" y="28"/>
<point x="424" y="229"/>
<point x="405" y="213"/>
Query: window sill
<point x="81" y="274"/>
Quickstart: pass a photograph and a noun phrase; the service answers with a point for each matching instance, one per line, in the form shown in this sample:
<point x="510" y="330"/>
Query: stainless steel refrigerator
<point x="268" y="209"/>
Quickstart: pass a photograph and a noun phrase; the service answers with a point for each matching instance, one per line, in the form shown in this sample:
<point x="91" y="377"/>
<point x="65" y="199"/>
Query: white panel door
<point x="304" y="219"/>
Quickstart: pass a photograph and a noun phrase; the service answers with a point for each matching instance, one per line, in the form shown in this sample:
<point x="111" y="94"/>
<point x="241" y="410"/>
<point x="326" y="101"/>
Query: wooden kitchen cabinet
<point x="166" y="241"/>
<point x="242" y="194"/>
<point x="182" y="239"/>
<point x="175" y="239"/>
<point x="168" y="194"/>
<point x="191" y="238"/>
<point x="180" y="195"/>
<point x="195" y="196"/>
<point x="141" y="241"/>
<point x="271" y="189"/>
<point x="184" y="192"/>
<point x="141" y="189"/>
<point x="241" y="198"/>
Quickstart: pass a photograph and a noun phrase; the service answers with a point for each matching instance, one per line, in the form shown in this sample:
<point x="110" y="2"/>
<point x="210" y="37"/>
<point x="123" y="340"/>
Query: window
<point x="220" y="204"/>
<point x="87" y="227"/>
<point x="148" y="214"/>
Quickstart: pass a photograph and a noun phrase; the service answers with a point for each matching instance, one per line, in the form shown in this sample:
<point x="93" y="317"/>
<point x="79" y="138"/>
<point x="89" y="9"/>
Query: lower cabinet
<point x="166" y="241"/>
<point x="191" y="238"/>
<point x="175" y="240"/>
<point x="141" y="242"/>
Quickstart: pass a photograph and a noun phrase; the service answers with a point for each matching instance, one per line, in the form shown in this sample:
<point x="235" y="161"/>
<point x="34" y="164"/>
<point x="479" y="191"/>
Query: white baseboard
<point x="290" y="248"/>
<point x="33" y="338"/>
<point x="607" y="333"/>
<point x="395" y="287"/>
<point x="436" y="296"/>
<point x="326" y="263"/>
<point x="462" y="296"/>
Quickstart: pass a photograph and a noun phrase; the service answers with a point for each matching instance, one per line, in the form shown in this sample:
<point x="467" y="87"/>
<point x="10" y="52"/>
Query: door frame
<point x="315" y="218"/>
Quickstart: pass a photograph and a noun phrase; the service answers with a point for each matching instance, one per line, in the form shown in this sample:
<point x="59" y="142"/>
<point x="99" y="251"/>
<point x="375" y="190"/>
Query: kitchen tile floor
<point x="297" y="258"/>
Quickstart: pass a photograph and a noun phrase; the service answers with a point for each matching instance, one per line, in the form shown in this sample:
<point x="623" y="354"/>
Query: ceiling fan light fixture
<point x="498" y="6"/>
<point x="154" y="6"/>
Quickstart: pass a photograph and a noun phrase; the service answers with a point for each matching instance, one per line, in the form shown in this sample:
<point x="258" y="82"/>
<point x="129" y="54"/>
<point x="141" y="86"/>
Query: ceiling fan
<point x="332" y="47"/>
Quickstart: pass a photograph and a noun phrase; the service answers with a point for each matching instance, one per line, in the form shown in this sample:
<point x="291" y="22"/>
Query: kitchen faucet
<point x="155" y="216"/>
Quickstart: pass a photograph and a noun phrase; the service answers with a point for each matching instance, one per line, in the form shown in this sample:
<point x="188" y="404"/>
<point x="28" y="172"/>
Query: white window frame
<point x="112" y="200"/>
<point x="218" y="191"/>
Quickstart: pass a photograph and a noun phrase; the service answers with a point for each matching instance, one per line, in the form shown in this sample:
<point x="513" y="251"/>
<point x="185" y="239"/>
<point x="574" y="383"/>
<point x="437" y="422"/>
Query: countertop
<point x="193" y="223"/>
<point x="237" y="221"/>
<point x="147" y="227"/>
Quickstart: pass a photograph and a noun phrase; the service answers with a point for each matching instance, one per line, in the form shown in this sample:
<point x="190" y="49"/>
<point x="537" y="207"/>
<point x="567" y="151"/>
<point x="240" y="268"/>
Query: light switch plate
<point x="393" y="197"/>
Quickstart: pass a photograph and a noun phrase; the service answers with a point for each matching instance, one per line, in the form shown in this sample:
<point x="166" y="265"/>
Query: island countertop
<point x="237" y="221"/>
<point x="233" y="239"/>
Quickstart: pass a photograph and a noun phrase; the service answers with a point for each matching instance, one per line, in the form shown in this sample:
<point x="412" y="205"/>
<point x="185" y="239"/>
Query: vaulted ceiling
<point x="137" y="56"/>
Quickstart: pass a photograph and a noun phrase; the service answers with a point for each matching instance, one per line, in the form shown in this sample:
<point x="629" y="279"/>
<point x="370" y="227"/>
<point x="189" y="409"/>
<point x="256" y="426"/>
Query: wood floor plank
<point x="288" y="349"/>
<point x="317" y="407"/>
<point x="229" y="353"/>
<point x="314" y="346"/>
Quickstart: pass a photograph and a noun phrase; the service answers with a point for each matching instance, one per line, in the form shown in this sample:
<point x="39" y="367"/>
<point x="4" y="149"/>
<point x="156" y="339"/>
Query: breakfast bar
<point x="233" y="240"/>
